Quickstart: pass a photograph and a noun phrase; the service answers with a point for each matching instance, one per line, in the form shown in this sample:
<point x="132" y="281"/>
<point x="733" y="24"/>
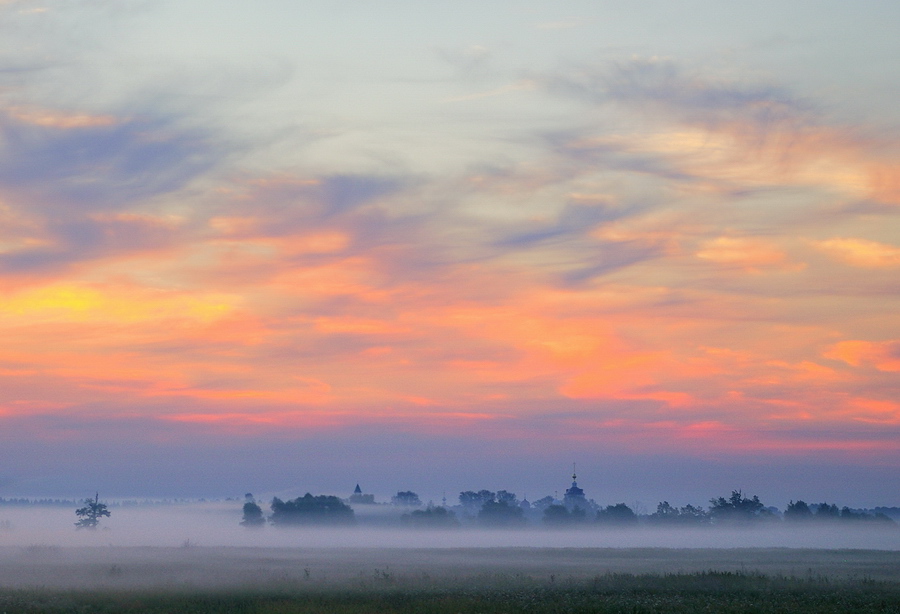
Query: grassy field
<point x="700" y="592"/>
<point x="248" y="580"/>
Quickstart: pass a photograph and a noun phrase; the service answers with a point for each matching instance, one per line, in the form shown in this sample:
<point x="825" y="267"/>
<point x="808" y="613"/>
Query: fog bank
<point x="217" y="524"/>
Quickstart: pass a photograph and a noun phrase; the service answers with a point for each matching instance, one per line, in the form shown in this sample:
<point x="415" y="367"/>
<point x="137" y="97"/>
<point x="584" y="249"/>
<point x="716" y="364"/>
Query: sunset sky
<point x="282" y="246"/>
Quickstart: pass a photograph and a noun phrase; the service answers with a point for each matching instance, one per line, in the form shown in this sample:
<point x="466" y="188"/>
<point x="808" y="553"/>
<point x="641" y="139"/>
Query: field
<point x="452" y="580"/>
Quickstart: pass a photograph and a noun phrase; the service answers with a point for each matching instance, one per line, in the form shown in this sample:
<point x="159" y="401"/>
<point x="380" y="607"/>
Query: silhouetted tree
<point x="504" y="496"/>
<point x="406" y="498"/>
<point x="472" y="500"/>
<point x="826" y="511"/>
<point x="848" y="514"/>
<point x="798" y="511"/>
<point x="693" y="515"/>
<point x="619" y="514"/>
<point x="863" y="516"/>
<point x="560" y="516"/>
<point x="253" y="515"/>
<point x="665" y="512"/>
<point x="89" y="516"/>
<point x="556" y="515"/>
<point x="322" y="509"/>
<point x="500" y="514"/>
<point x="687" y="515"/>
<point x="431" y="517"/>
<point x="737" y="508"/>
<point x="543" y="503"/>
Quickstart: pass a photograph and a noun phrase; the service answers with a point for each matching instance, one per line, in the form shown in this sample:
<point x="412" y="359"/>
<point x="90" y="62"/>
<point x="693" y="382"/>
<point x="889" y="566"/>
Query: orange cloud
<point x="861" y="252"/>
<point x="722" y="155"/>
<point x="750" y="254"/>
<point x="883" y="355"/>
<point x="876" y="411"/>
<point x="77" y="302"/>
<point x="359" y="326"/>
<point x="60" y="119"/>
<point x="808" y="370"/>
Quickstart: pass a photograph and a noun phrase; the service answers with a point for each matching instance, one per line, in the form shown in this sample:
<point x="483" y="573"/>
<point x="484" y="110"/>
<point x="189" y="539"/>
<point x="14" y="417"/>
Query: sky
<point x="280" y="247"/>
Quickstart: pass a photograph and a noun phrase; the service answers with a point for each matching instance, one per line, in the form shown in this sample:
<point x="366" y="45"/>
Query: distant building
<point x="574" y="497"/>
<point x="359" y="498"/>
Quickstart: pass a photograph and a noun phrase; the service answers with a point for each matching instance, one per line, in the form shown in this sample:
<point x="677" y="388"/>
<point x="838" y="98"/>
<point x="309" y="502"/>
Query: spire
<point x="574" y="496"/>
<point x="358" y="490"/>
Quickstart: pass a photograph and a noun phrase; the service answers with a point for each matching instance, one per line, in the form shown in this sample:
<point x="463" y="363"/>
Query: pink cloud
<point x="882" y="355"/>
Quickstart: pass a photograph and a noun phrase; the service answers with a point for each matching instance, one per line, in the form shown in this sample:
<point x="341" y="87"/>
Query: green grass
<point x="711" y="591"/>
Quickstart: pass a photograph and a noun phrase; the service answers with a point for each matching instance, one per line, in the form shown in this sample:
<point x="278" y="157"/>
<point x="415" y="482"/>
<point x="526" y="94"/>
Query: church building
<point x="359" y="498"/>
<point x="574" y="497"/>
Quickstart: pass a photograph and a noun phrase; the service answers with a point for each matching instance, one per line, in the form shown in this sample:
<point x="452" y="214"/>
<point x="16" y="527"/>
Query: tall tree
<point x="253" y="515"/>
<point x="89" y="516"/>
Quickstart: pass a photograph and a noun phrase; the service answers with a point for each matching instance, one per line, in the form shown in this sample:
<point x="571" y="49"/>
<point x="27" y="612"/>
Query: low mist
<point x="177" y="547"/>
<point x="218" y="524"/>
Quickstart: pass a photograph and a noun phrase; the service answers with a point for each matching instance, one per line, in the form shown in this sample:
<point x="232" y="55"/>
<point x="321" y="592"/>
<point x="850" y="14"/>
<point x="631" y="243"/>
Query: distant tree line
<point x="43" y="502"/>
<point x="502" y="509"/>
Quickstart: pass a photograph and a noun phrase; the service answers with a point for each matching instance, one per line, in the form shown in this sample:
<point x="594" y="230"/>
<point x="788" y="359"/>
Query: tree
<point x="556" y="515"/>
<point x="508" y="497"/>
<point x="848" y="514"/>
<point x="322" y="509"/>
<point x="501" y="514"/>
<point x="560" y="516"/>
<point x="798" y="511"/>
<point x="253" y="515"/>
<point x="432" y="517"/>
<point x="693" y="515"/>
<point x="89" y="516"/>
<point x="736" y="508"/>
<point x="406" y="498"/>
<point x="687" y="515"/>
<point x="826" y="511"/>
<point x="472" y="500"/>
<point x="617" y="514"/>
<point x="665" y="513"/>
<point x="543" y="503"/>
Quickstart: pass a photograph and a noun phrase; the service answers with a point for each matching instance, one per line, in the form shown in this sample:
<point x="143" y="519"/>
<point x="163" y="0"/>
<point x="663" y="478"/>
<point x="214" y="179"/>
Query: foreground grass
<point x="699" y="592"/>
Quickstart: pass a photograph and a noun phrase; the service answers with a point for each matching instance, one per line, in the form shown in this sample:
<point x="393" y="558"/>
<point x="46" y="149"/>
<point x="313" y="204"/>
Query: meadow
<point x="197" y="558"/>
<point x="282" y="580"/>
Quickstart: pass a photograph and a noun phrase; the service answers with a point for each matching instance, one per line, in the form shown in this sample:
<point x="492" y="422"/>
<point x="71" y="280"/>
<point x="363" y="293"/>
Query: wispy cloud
<point x="106" y="165"/>
<point x="861" y="252"/>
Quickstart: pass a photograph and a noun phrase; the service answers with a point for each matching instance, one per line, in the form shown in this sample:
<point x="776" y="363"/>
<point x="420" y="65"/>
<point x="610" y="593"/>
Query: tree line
<point x="502" y="509"/>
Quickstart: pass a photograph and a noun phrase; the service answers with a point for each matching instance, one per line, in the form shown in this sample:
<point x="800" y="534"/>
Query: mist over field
<point x="199" y="550"/>
<point x="216" y="524"/>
